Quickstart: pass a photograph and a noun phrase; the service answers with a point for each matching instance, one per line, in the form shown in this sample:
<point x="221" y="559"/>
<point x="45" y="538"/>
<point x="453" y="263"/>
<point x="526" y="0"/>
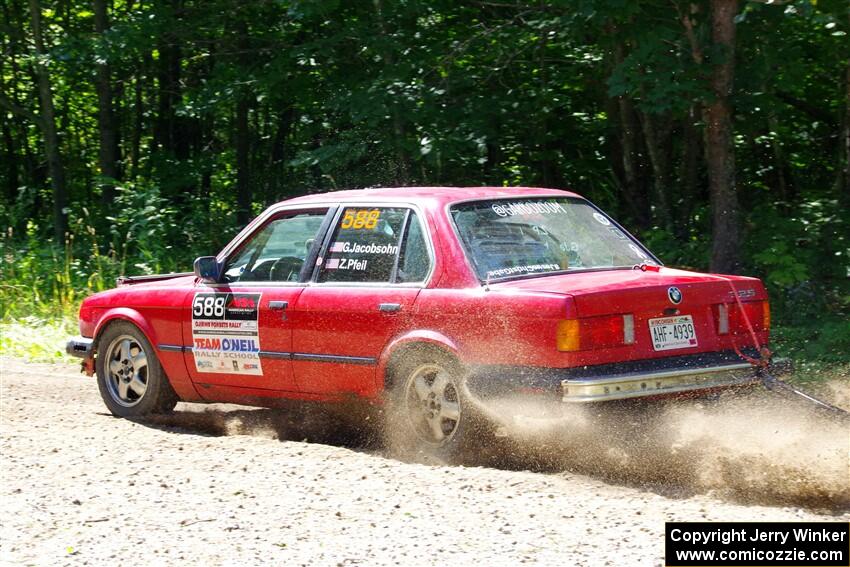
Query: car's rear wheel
<point x="430" y="412"/>
<point x="129" y="376"/>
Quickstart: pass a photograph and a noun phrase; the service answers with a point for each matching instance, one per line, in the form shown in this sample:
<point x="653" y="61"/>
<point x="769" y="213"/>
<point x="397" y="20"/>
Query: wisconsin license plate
<point x="673" y="332"/>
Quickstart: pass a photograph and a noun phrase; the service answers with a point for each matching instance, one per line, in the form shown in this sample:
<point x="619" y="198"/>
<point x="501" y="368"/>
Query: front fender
<point x="422" y="336"/>
<point x="172" y="362"/>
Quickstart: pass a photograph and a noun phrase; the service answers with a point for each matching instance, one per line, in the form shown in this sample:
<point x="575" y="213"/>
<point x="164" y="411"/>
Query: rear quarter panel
<point x="495" y="327"/>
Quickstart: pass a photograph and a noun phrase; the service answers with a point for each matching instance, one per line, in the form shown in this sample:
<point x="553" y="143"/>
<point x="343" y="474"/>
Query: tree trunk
<point x="842" y="178"/>
<point x="629" y="154"/>
<point x="719" y="144"/>
<point x="244" y="195"/>
<point x="631" y="161"/>
<point x="275" y="187"/>
<point x="243" y="178"/>
<point x="169" y="89"/>
<point x="48" y="127"/>
<point x="656" y="146"/>
<point x="403" y="167"/>
<point x="138" y="120"/>
<point x="781" y="172"/>
<point x="108" y="153"/>
<point x="11" y="157"/>
<point x="689" y="172"/>
<point x="11" y="160"/>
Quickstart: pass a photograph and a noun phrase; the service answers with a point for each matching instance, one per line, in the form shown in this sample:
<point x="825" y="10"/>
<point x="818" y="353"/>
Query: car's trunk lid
<point x="647" y="299"/>
<point x="623" y="291"/>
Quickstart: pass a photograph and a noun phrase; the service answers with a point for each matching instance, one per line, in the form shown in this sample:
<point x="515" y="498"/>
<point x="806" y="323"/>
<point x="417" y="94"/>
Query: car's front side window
<point x="376" y="245"/>
<point x="277" y="251"/>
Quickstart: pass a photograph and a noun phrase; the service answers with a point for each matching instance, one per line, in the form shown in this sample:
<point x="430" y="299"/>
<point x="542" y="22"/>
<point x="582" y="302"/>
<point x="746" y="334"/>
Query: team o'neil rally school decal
<point x="225" y="335"/>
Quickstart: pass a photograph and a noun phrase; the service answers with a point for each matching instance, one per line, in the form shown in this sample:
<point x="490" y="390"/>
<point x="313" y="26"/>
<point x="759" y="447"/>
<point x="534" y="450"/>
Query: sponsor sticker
<point x="617" y="232"/>
<point x="601" y="219"/>
<point x="531" y="268"/>
<point x="528" y="208"/>
<point x="638" y="251"/>
<point x="225" y="333"/>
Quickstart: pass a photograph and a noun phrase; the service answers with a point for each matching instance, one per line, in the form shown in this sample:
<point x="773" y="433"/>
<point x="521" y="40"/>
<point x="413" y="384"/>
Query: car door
<point x="240" y="329"/>
<point x="369" y="273"/>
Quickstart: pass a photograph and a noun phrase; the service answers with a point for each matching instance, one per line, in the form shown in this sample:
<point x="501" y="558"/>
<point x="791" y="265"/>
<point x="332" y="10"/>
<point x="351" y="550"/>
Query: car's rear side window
<point x="414" y="262"/>
<point x="376" y="245"/>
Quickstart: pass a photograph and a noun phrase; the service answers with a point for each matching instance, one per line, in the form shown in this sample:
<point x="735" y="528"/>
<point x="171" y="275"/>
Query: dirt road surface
<point x="230" y="486"/>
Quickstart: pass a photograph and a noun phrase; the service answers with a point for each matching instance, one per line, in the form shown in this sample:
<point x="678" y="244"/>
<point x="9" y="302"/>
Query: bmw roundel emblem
<point x="675" y="295"/>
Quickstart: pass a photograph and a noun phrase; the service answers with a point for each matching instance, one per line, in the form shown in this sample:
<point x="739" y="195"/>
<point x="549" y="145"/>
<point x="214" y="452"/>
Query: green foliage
<point x="404" y="92"/>
<point x="825" y="340"/>
<point x="37" y="339"/>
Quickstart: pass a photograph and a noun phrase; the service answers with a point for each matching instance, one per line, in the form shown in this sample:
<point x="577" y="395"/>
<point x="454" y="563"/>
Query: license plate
<point x="673" y="332"/>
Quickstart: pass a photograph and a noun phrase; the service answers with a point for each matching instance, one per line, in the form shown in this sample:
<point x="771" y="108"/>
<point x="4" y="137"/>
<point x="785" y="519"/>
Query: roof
<point x="432" y="195"/>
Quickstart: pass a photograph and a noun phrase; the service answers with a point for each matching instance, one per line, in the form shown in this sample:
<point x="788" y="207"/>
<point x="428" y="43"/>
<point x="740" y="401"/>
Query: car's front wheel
<point x="430" y="411"/>
<point x="129" y="376"/>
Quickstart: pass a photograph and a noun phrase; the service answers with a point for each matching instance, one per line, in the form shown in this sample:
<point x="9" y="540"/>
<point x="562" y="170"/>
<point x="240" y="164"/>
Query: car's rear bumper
<point x="659" y="383"/>
<point x="80" y="346"/>
<point x="670" y="376"/>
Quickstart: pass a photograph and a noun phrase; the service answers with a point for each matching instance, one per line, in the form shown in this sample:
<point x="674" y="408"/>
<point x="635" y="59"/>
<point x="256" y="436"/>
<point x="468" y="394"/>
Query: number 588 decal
<point x="226" y="306"/>
<point x="209" y="306"/>
<point x="362" y="219"/>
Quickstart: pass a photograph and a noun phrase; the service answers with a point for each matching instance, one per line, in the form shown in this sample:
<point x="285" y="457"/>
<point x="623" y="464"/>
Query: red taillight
<point x="596" y="332"/>
<point x="729" y="317"/>
<point x="602" y="332"/>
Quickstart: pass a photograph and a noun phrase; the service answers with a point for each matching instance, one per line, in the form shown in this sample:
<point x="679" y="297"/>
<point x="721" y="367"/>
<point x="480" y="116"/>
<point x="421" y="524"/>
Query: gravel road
<point x="232" y="486"/>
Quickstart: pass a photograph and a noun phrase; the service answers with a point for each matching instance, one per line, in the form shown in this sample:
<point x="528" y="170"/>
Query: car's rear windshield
<point x="522" y="237"/>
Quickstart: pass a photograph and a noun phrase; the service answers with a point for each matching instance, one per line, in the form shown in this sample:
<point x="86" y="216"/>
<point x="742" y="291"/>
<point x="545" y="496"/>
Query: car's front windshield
<point x="519" y="237"/>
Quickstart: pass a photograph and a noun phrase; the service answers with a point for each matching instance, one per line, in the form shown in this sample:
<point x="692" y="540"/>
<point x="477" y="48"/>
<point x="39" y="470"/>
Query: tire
<point x="430" y="413"/>
<point x="130" y="378"/>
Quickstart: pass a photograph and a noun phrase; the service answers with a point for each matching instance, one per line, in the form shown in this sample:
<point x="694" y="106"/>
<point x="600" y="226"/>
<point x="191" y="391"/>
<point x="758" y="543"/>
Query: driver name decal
<point x="225" y="335"/>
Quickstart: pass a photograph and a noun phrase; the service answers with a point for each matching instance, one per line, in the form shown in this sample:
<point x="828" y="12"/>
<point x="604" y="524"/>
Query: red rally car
<point x="423" y="299"/>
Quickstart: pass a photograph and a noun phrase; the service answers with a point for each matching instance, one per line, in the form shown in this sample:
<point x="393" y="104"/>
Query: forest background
<point x="139" y="134"/>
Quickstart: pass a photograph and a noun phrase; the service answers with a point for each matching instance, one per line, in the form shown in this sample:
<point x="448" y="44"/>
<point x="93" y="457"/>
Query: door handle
<point x="279" y="306"/>
<point x="389" y="307"/>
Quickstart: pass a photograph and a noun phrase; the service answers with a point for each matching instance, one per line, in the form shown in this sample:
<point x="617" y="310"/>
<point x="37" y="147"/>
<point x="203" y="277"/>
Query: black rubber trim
<point x="689" y="361"/>
<point x="360" y="360"/>
<point x="496" y="380"/>
<point x="322" y="235"/>
<point x="274" y="354"/>
<point x="340" y="359"/>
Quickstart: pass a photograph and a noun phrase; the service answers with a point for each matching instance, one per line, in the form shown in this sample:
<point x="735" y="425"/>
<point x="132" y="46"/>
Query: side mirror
<point x="208" y="269"/>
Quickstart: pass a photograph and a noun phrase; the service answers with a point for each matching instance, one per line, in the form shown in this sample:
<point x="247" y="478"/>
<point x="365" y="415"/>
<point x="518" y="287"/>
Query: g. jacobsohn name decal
<point x="225" y="335"/>
<point x="811" y="544"/>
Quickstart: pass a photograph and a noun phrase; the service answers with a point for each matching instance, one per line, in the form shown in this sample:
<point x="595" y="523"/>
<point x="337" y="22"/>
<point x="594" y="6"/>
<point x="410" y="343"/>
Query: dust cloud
<point x="295" y="422"/>
<point x="757" y="448"/>
<point x="753" y="449"/>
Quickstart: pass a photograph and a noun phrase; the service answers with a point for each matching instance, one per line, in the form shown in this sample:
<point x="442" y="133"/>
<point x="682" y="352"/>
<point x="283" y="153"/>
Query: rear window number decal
<point x="363" y="219"/>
